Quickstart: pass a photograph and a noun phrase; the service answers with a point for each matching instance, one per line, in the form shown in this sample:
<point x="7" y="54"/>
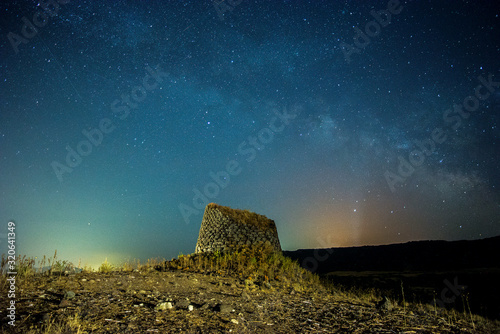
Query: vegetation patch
<point x="245" y="216"/>
<point x="253" y="290"/>
<point x="259" y="263"/>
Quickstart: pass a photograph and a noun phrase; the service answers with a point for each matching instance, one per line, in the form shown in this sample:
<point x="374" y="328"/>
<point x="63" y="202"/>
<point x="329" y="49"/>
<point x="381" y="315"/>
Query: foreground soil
<point x="152" y="301"/>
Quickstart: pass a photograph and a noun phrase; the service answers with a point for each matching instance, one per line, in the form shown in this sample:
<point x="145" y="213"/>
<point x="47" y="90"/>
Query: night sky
<point x="347" y="122"/>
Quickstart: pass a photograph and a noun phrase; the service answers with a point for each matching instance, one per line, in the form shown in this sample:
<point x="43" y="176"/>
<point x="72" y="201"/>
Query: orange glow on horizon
<point x="349" y="225"/>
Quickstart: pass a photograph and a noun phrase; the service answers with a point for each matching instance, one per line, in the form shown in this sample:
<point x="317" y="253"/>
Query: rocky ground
<point x="176" y="301"/>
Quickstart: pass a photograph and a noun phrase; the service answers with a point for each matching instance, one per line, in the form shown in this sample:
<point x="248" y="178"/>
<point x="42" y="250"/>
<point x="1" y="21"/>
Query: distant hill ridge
<point x="411" y="256"/>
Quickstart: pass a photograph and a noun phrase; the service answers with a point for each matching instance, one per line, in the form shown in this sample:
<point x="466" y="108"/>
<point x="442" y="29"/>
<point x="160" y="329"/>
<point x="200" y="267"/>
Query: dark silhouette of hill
<point x="411" y="256"/>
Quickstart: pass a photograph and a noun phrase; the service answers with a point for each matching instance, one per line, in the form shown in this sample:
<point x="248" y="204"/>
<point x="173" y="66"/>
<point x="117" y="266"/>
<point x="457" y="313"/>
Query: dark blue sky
<point x="347" y="122"/>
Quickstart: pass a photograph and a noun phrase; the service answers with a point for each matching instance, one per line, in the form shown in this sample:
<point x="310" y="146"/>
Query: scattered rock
<point x="182" y="304"/>
<point x="204" y="306"/>
<point x="224" y="308"/>
<point x="64" y="303"/>
<point x="45" y="317"/>
<point x="245" y="295"/>
<point x="385" y="304"/>
<point x="164" y="306"/>
<point x="69" y="295"/>
<point x="109" y="308"/>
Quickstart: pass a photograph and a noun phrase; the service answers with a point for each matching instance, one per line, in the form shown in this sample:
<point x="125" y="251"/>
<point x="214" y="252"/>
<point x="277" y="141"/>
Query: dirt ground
<point x="152" y="301"/>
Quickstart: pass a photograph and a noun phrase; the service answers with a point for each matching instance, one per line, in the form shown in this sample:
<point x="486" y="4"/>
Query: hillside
<point x="428" y="271"/>
<point x="411" y="256"/>
<point x="247" y="292"/>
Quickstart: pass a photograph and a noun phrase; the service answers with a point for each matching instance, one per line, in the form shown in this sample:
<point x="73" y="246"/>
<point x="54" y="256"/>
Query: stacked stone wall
<point x="222" y="229"/>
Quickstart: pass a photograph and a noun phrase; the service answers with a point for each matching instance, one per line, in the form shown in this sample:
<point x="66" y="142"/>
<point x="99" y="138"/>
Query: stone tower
<point x="226" y="229"/>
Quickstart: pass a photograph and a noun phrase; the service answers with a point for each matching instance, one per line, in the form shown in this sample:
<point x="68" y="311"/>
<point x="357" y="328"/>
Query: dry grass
<point x="106" y="267"/>
<point x="253" y="265"/>
<point x="245" y="216"/>
<point x="68" y="324"/>
<point x="258" y="264"/>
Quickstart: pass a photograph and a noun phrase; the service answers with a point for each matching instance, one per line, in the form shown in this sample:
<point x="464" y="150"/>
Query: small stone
<point x="225" y="308"/>
<point x="385" y="304"/>
<point x="234" y="321"/>
<point x="69" y="295"/>
<point x="163" y="306"/>
<point x="45" y="317"/>
<point x="183" y="304"/>
<point x="64" y="303"/>
<point x="245" y="295"/>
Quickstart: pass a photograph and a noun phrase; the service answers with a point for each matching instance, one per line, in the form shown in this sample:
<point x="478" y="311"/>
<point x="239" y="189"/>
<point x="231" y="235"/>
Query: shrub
<point x="106" y="267"/>
<point x="62" y="266"/>
<point x="261" y="263"/>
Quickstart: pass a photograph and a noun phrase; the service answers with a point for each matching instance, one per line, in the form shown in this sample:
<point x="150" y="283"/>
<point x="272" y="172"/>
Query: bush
<point x="260" y="263"/>
<point x="106" y="267"/>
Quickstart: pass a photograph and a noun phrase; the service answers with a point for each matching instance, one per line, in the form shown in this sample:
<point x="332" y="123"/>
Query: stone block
<point x="223" y="228"/>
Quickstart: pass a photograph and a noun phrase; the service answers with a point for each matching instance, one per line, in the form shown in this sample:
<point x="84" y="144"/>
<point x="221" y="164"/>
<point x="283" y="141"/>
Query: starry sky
<point x="347" y="122"/>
